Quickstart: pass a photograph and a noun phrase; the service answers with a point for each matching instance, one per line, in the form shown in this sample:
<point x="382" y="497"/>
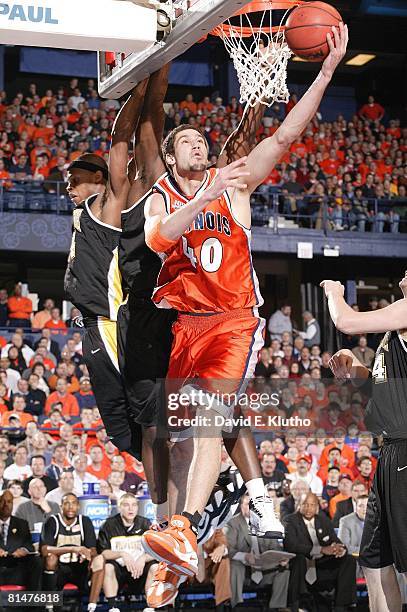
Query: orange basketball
<point x="307" y="27"/>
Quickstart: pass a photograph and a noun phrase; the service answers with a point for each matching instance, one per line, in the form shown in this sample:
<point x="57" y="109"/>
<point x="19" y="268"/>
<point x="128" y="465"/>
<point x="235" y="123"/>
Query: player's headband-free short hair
<point x="167" y="147"/>
<point x="89" y="166"/>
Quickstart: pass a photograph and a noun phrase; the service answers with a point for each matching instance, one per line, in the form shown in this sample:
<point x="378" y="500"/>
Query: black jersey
<point x="92" y="278"/>
<point x="139" y="266"/>
<point x="56" y="532"/>
<point x="386" y="412"/>
<point x="115" y="535"/>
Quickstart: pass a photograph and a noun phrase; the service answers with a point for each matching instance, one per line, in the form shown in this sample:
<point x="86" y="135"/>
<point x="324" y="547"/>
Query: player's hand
<point x="341" y="364"/>
<point x="3" y="553"/>
<point x="135" y="567"/>
<point x="83" y="554"/>
<point x="19" y="553"/>
<point x="340" y="550"/>
<point x="332" y="287"/>
<point x="328" y="550"/>
<point x="234" y="175"/>
<point x="217" y="554"/>
<point x="337" y="49"/>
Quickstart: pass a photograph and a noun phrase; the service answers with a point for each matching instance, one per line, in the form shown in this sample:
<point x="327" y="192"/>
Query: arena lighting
<point x="360" y="60"/>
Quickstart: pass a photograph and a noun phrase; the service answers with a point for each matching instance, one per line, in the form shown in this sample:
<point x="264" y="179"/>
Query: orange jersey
<point x="210" y="268"/>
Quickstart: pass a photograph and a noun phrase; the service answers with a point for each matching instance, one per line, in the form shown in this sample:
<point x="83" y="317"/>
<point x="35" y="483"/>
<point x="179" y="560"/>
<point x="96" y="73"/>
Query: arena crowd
<point x="355" y="170"/>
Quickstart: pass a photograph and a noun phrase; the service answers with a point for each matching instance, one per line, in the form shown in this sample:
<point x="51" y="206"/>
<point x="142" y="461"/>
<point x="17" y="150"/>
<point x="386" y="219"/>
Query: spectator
<point x="320" y="556"/>
<point x="216" y="569"/>
<point x="17" y="566"/>
<point x="290" y="504"/>
<point x="80" y="474"/>
<point x="65" y="485"/>
<point x="351" y="526"/>
<point x="312" y="333"/>
<point x="363" y="353"/>
<point x="11" y="377"/>
<point x="20" y="469"/>
<point x="243" y="551"/>
<point x="372" y="111"/>
<point x="20" y="308"/>
<point x="69" y="402"/>
<point x="36" y="510"/>
<point x="98" y="466"/>
<point x="55" y="322"/>
<point x="35" y="398"/>
<point x="37" y="464"/>
<point x="16" y="488"/>
<point x="59" y="461"/>
<point x="304" y="473"/>
<point x="130" y="480"/>
<point x="85" y="396"/>
<point x="344" y="493"/>
<point x="125" y="563"/>
<point x="347" y="458"/>
<point x="43" y="316"/>
<point x="347" y="506"/>
<point x="17" y="341"/>
<point x="366" y="473"/>
<point x="17" y="410"/>
<point x="270" y="474"/>
<point x="67" y="563"/>
<point x="280" y="322"/>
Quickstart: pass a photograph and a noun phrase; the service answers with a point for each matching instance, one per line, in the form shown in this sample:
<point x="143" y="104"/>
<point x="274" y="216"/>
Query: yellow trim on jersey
<point x="114" y="282"/>
<point x="108" y="333"/>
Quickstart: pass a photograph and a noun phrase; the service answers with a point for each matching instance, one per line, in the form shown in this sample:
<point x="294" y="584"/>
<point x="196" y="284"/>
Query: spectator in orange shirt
<point x="41" y="170"/>
<point x="334" y="460"/>
<point x="330" y="164"/>
<point x="189" y="104"/>
<point x="55" y="322"/>
<point x="44" y="315"/>
<point x="345" y="491"/>
<point x="17" y="410"/>
<point x="372" y="111"/>
<point x="205" y="105"/>
<point x="52" y="425"/>
<point x="69" y="403"/>
<point x="347" y="454"/>
<point x="366" y="471"/>
<point x="20" y="308"/>
<point x="41" y="356"/>
<point x="99" y="467"/>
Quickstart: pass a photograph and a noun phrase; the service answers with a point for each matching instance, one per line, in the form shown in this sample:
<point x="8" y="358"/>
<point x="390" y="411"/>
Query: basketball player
<point x="199" y="222"/>
<point x="384" y="539"/>
<point x="92" y="280"/>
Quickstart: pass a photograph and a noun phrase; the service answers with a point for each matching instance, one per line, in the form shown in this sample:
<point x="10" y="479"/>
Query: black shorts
<point x="384" y="539"/>
<point x="100" y="354"/>
<point x="144" y="342"/>
<point x="75" y="573"/>
<point x="123" y="577"/>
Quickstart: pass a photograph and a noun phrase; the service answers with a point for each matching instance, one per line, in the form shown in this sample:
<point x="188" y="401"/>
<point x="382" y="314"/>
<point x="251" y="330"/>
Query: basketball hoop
<point x="259" y="51"/>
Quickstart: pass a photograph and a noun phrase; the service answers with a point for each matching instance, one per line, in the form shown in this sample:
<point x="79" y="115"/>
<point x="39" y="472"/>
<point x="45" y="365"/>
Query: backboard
<point x="180" y="24"/>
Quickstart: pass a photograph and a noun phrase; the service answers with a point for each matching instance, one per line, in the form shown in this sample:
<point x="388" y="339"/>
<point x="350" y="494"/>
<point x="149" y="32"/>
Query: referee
<point x="120" y="545"/>
<point x="384" y="539"/>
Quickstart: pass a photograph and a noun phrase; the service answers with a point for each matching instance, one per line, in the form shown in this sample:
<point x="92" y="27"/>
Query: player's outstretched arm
<point x="163" y="230"/>
<point x="264" y="157"/>
<point x="122" y="132"/>
<point x="348" y="321"/>
<point x="147" y="163"/>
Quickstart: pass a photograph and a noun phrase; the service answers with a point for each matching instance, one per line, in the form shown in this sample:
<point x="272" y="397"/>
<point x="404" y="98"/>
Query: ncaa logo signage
<point x="35" y="14"/>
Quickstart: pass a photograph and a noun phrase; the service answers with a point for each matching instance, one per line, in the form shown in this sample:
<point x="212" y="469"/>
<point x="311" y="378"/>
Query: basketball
<point x="307" y="27"/>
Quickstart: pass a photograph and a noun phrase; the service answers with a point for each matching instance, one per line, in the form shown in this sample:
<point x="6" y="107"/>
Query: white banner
<point x="94" y="25"/>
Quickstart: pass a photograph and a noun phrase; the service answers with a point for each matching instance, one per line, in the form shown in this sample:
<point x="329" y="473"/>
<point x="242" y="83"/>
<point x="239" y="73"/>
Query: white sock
<point x="91" y="607"/>
<point x="161" y="510"/>
<point x="255" y="487"/>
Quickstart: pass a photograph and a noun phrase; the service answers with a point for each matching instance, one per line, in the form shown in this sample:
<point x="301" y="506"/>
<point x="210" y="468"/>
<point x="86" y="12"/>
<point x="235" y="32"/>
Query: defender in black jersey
<point x="68" y="543"/>
<point x="384" y="539"/>
<point x="92" y="279"/>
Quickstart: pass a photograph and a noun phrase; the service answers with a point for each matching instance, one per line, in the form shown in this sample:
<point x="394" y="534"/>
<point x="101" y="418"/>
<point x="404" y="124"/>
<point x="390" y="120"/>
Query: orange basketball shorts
<point x="214" y="353"/>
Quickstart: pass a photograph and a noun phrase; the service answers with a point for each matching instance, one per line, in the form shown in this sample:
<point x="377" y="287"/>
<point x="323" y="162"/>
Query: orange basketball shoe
<point x="164" y="588"/>
<point x="176" y="546"/>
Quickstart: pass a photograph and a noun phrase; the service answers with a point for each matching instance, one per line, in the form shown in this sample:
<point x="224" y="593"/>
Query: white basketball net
<point x="260" y="60"/>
